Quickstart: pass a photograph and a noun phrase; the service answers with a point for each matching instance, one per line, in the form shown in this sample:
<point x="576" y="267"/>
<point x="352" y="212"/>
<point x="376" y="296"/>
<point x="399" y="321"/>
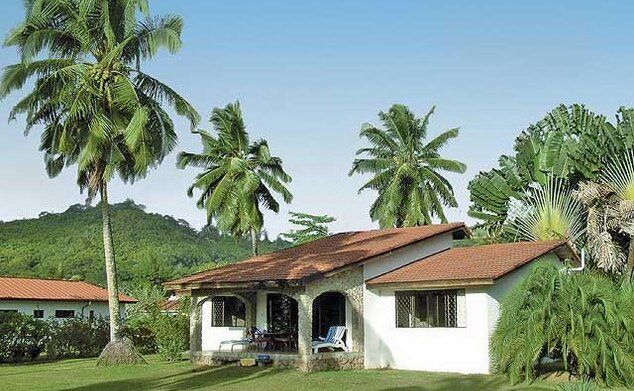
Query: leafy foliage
<point x="313" y="227"/>
<point x="21" y="337"/>
<point x="153" y="330"/>
<point x="570" y="143"/>
<point x="149" y="246"/>
<point x="586" y="320"/>
<point x="239" y="177"/>
<point x="406" y="167"/>
<point x="77" y="337"/>
<point x="610" y="218"/>
<point x="548" y="212"/>
<point x="98" y="110"/>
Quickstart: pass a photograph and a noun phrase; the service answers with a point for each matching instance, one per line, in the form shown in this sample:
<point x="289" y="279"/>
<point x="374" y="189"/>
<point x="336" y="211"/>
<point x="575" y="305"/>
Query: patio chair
<point x="253" y="336"/>
<point x="333" y="339"/>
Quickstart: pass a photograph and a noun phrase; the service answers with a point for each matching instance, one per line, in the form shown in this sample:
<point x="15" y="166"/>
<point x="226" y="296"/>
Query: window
<point x="39" y="314"/>
<point x="227" y="311"/>
<point x="63" y="314"/>
<point x="91" y="315"/>
<point x="8" y="311"/>
<point x="444" y="308"/>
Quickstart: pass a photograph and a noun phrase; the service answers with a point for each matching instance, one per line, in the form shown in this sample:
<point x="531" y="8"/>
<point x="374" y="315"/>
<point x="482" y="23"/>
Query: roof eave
<point x="458" y="283"/>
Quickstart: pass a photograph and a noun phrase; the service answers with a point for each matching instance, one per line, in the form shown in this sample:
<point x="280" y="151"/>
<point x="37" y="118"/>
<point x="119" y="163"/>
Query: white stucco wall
<point x="212" y="336"/>
<point x="462" y="350"/>
<point x="27" y="307"/>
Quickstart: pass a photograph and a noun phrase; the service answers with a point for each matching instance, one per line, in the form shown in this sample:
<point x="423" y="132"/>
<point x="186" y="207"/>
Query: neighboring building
<point x="55" y="298"/>
<point x="408" y="299"/>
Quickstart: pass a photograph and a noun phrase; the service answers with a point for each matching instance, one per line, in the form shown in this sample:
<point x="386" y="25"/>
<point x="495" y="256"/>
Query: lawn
<point x="82" y="375"/>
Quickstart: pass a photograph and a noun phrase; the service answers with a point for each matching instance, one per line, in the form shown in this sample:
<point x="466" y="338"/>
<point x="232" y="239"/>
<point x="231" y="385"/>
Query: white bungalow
<point x="58" y="299"/>
<point x="403" y="298"/>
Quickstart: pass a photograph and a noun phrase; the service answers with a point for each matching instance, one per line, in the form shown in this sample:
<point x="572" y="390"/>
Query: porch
<point x="288" y="319"/>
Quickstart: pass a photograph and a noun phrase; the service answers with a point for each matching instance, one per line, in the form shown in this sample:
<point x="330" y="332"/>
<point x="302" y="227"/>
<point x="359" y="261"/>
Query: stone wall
<point x="331" y="361"/>
<point x="334" y="361"/>
<point x="349" y="283"/>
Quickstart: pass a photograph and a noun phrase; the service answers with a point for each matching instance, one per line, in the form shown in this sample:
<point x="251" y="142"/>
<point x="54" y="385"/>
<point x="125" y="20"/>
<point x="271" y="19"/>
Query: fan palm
<point x="610" y="204"/>
<point x="406" y="169"/>
<point x="239" y="177"/>
<point x="548" y="212"/>
<point x="98" y="110"/>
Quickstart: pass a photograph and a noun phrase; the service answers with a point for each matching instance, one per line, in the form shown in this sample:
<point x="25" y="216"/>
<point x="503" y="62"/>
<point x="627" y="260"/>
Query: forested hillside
<point x="149" y="246"/>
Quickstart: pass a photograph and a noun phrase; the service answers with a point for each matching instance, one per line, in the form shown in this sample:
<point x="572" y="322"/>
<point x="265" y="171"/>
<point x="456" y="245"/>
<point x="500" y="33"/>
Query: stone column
<point x="195" y="325"/>
<point x="304" y="327"/>
<point x="355" y="297"/>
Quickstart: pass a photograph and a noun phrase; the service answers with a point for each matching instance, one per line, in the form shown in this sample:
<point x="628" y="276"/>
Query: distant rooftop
<point x="26" y="288"/>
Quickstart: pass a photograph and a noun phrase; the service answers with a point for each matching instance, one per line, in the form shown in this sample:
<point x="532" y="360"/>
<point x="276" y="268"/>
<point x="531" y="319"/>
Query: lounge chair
<point x="333" y="339"/>
<point x="254" y="336"/>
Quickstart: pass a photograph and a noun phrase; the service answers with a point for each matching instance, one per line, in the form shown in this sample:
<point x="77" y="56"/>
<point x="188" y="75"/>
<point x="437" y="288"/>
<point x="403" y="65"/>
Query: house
<point x="407" y="299"/>
<point x="58" y="299"/>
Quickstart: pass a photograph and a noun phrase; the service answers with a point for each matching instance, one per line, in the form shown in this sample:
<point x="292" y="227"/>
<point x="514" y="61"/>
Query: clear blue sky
<point x="308" y="74"/>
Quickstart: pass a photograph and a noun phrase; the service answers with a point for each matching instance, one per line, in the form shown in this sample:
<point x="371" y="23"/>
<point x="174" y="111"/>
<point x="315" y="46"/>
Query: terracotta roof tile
<point x="19" y="288"/>
<point x="317" y="257"/>
<point x="470" y="263"/>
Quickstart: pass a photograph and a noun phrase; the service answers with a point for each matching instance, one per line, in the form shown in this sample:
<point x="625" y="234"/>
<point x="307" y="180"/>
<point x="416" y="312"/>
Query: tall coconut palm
<point x="239" y="177"/>
<point x="610" y="205"/>
<point x="98" y="110"/>
<point x="407" y="169"/>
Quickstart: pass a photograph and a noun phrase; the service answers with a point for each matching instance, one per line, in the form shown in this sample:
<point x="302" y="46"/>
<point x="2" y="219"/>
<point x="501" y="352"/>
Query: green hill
<point x="149" y="246"/>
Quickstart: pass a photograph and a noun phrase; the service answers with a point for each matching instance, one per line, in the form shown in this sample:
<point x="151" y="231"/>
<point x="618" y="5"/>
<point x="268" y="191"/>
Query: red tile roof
<point x="482" y="263"/>
<point x="19" y="288"/>
<point x="170" y="305"/>
<point x="316" y="258"/>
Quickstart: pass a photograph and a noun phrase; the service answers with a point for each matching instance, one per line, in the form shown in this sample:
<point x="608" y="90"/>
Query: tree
<point x="239" y="177"/>
<point x="610" y="217"/>
<point x="98" y="111"/>
<point x="570" y="143"/>
<point x="548" y="212"/>
<point x="406" y="169"/>
<point x="313" y="227"/>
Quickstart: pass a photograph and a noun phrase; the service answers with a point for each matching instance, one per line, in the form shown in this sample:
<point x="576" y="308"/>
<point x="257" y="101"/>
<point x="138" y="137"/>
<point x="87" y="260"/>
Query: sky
<point x="309" y="73"/>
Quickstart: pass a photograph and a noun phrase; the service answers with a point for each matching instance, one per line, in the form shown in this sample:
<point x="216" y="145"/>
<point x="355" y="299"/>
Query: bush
<point x="172" y="335"/>
<point x="21" y="337"/>
<point x="585" y="320"/>
<point x="78" y="337"/>
<point x="139" y="330"/>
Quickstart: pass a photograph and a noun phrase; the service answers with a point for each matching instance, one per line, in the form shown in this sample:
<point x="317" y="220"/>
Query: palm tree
<point x="98" y="111"/>
<point x="610" y="221"/>
<point x="239" y="177"/>
<point x="406" y="169"/>
<point x="547" y="212"/>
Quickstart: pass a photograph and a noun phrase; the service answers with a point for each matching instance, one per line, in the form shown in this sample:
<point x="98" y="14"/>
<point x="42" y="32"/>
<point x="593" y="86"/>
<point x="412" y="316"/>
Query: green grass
<point x="80" y="375"/>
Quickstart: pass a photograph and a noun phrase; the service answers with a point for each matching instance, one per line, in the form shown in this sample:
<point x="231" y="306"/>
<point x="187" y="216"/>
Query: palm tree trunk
<point x="630" y="259"/>
<point x="120" y="350"/>
<point x="254" y="241"/>
<point x="111" y="268"/>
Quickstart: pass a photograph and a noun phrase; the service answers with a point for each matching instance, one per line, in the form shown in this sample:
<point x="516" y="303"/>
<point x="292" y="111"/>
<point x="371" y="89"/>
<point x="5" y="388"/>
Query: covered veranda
<point x="231" y="323"/>
<point x="280" y="319"/>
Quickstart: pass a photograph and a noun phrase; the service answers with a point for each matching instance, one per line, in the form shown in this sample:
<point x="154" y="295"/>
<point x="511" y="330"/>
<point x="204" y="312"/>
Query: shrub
<point x="586" y="320"/>
<point x="172" y="335"/>
<point x="78" y="337"/>
<point x="139" y="330"/>
<point x="21" y="337"/>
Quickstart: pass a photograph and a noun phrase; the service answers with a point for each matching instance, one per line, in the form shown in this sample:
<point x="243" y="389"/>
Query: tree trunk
<point x="254" y="241"/>
<point x="630" y="259"/>
<point x="111" y="268"/>
<point x="120" y="350"/>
